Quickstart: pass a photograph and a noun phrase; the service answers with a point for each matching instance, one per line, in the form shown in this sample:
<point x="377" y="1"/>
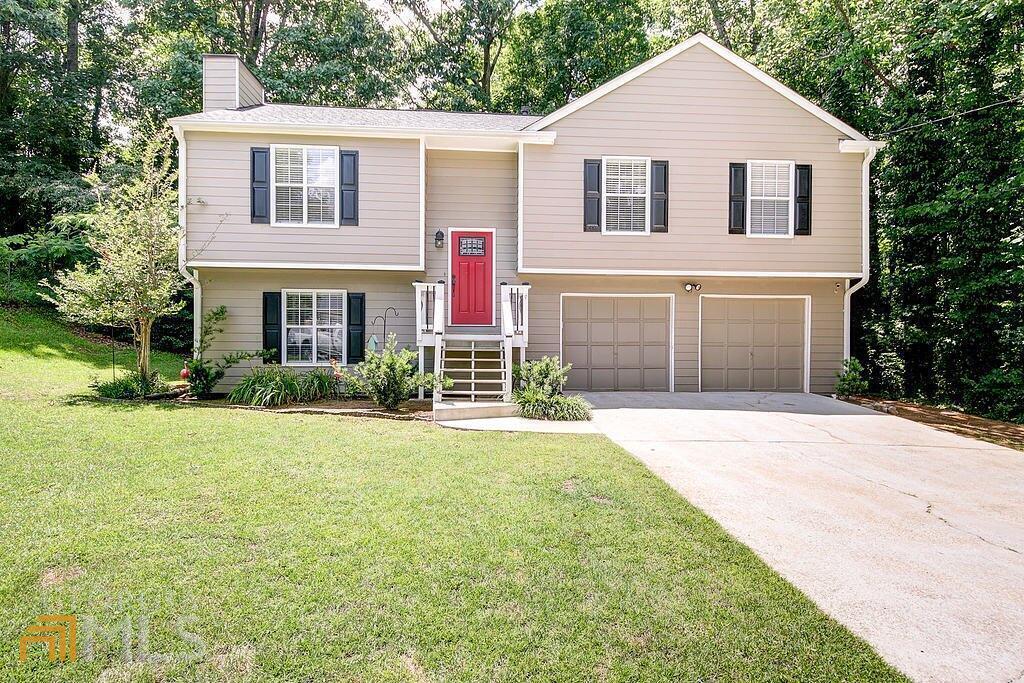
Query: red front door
<point x="472" y="277"/>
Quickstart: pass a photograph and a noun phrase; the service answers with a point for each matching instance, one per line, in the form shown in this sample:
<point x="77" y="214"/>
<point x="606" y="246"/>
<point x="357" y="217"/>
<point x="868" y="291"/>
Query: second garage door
<point x="617" y="343"/>
<point x="752" y="344"/>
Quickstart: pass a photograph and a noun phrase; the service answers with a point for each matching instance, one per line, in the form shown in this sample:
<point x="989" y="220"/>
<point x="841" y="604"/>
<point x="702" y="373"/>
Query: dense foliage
<point x="941" y="80"/>
<point x="538" y="391"/>
<point x="388" y="378"/>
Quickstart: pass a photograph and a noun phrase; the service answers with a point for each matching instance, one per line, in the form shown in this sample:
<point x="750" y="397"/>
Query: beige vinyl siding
<point x="250" y="92"/>
<point x="219" y="82"/>
<point x="472" y="190"/>
<point x="241" y="290"/>
<point x="218" y="187"/>
<point x="826" y="315"/>
<point x="700" y="113"/>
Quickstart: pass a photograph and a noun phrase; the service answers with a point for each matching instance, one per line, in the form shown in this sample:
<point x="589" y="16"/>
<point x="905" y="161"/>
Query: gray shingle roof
<point x="369" y="118"/>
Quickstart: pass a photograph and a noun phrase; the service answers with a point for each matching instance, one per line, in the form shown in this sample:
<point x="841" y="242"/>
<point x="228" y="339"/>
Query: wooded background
<point x="82" y="81"/>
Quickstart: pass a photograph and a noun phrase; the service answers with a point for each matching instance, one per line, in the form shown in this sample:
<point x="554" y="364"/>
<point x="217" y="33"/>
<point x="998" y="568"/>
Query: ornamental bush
<point x="850" y="380"/>
<point x="538" y="391"/>
<point x="388" y="378"/>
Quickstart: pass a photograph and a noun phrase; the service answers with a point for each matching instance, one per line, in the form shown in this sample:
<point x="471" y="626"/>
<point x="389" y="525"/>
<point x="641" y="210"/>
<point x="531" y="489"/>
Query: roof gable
<point x="724" y="53"/>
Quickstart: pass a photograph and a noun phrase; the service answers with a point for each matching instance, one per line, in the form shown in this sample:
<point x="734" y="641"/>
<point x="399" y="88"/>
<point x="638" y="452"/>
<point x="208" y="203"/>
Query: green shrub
<point x="388" y="378"/>
<point x="536" y="405"/>
<point x="998" y="394"/>
<point x="318" y="384"/>
<point x="204" y="375"/>
<point x="850" y="380"/>
<point x="130" y="385"/>
<point x="538" y="391"/>
<point x="267" y="387"/>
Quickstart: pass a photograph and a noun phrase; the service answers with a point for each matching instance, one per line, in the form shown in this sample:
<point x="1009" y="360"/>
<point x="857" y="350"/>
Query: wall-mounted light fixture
<point x="439" y="239"/>
<point x="691" y="287"/>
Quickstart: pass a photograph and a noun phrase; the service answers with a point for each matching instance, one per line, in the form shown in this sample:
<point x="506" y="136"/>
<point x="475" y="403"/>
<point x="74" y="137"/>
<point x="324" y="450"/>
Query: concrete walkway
<point x="909" y="536"/>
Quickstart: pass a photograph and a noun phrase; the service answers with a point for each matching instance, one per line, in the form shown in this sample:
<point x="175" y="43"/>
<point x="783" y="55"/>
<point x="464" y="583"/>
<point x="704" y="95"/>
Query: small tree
<point x="134" y="233"/>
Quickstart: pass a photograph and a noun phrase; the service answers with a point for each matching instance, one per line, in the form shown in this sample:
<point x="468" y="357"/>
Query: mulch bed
<point x="411" y="410"/>
<point x="1002" y="433"/>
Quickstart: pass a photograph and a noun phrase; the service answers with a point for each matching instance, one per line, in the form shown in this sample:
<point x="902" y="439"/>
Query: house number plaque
<point x="471" y="246"/>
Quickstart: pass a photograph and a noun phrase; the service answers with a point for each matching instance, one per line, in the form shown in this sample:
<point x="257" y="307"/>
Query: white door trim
<point x="631" y="295"/>
<point x="807" y="328"/>
<point x="494" y="274"/>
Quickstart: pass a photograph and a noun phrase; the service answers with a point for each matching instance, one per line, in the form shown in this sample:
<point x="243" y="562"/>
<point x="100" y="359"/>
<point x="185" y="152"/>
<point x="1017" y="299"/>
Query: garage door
<point x="616" y="343"/>
<point x="752" y="344"/>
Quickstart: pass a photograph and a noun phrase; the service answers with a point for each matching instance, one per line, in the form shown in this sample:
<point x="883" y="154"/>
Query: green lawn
<point x="287" y="547"/>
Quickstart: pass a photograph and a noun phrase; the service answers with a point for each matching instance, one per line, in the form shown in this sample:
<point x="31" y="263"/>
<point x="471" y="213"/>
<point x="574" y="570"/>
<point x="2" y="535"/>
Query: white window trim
<point x="273" y="187"/>
<point x="285" y="326"/>
<point x="792" y="197"/>
<point x="604" y="196"/>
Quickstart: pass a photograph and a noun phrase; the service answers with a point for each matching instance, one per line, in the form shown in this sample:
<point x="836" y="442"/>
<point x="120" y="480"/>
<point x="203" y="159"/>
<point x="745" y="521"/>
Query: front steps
<point x="477" y="370"/>
<point x="472" y="410"/>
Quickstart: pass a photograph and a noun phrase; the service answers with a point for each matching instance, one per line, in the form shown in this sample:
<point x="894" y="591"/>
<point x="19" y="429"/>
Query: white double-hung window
<point x="770" y="198"/>
<point x="314" y="326"/>
<point x="304" y="183"/>
<point x="626" y="188"/>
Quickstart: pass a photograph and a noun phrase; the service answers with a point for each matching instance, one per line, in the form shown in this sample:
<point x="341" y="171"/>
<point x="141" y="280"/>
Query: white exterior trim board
<point x="257" y="265"/>
<point x="691" y="273"/>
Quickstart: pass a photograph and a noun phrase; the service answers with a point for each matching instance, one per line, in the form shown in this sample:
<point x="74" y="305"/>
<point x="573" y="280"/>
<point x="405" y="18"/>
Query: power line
<point x="953" y="116"/>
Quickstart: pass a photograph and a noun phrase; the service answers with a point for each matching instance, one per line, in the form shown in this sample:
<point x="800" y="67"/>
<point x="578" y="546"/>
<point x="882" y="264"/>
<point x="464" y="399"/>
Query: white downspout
<point x="191" y="277"/>
<point x="865" y="217"/>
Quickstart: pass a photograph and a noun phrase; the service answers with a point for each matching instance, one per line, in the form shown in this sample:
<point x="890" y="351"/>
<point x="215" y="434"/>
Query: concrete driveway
<point x="909" y="536"/>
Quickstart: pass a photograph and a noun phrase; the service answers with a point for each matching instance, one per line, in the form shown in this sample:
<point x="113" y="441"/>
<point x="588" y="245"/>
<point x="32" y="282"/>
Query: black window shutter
<point x="272" y="325"/>
<point x="591" y="195"/>
<point x="356" y="327"/>
<point x="737" y="199"/>
<point x="659" y="196"/>
<point x="259" y="177"/>
<point x="803" y="200"/>
<point x="349" y="180"/>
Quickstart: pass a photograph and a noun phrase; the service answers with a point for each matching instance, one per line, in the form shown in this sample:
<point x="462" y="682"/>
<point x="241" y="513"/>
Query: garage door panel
<point x="617" y="342"/>
<point x="655" y="333"/>
<point x="765" y="334"/>
<point x="764" y="357"/>
<point x="655" y="357"/>
<point x="655" y="380"/>
<point x="574" y="308"/>
<point x="627" y="357"/>
<point x="576" y="355"/>
<point x="602" y="379"/>
<point x="627" y="332"/>
<point x="713" y="332"/>
<point x="602" y="309"/>
<point x="739" y="332"/>
<point x="602" y="332"/>
<point x="752" y="344"/>
<point x="627" y="308"/>
<point x="790" y="379"/>
<point x="574" y="332"/>
<point x="630" y="379"/>
<point x="655" y="308"/>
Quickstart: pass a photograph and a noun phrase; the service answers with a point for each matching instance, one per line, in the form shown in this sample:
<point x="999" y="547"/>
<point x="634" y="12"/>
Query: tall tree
<point x="565" y="48"/>
<point x="458" y="47"/>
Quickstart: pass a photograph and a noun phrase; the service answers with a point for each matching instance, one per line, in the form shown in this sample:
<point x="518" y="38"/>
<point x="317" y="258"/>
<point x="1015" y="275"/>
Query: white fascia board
<point x="260" y="265"/>
<point x="860" y="146"/>
<point x="692" y="273"/>
<point x="463" y="139"/>
<point x="725" y="53"/>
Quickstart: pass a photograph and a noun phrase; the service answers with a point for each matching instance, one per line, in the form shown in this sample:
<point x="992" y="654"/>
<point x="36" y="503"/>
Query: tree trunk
<point x="145" y="334"/>
<point x="71" y="55"/>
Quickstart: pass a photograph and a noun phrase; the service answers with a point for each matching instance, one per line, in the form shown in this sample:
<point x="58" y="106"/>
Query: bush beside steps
<point x="538" y="391"/>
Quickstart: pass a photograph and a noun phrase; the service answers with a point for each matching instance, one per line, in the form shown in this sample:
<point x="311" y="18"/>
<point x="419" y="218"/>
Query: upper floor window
<point x="626" y="195"/>
<point x="314" y="326"/>
<point x="770" y="199"/>
<point x="304" y="183"/>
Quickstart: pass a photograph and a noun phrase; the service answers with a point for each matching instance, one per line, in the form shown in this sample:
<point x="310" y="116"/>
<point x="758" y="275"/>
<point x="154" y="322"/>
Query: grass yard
<point x="235" y="545"/>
